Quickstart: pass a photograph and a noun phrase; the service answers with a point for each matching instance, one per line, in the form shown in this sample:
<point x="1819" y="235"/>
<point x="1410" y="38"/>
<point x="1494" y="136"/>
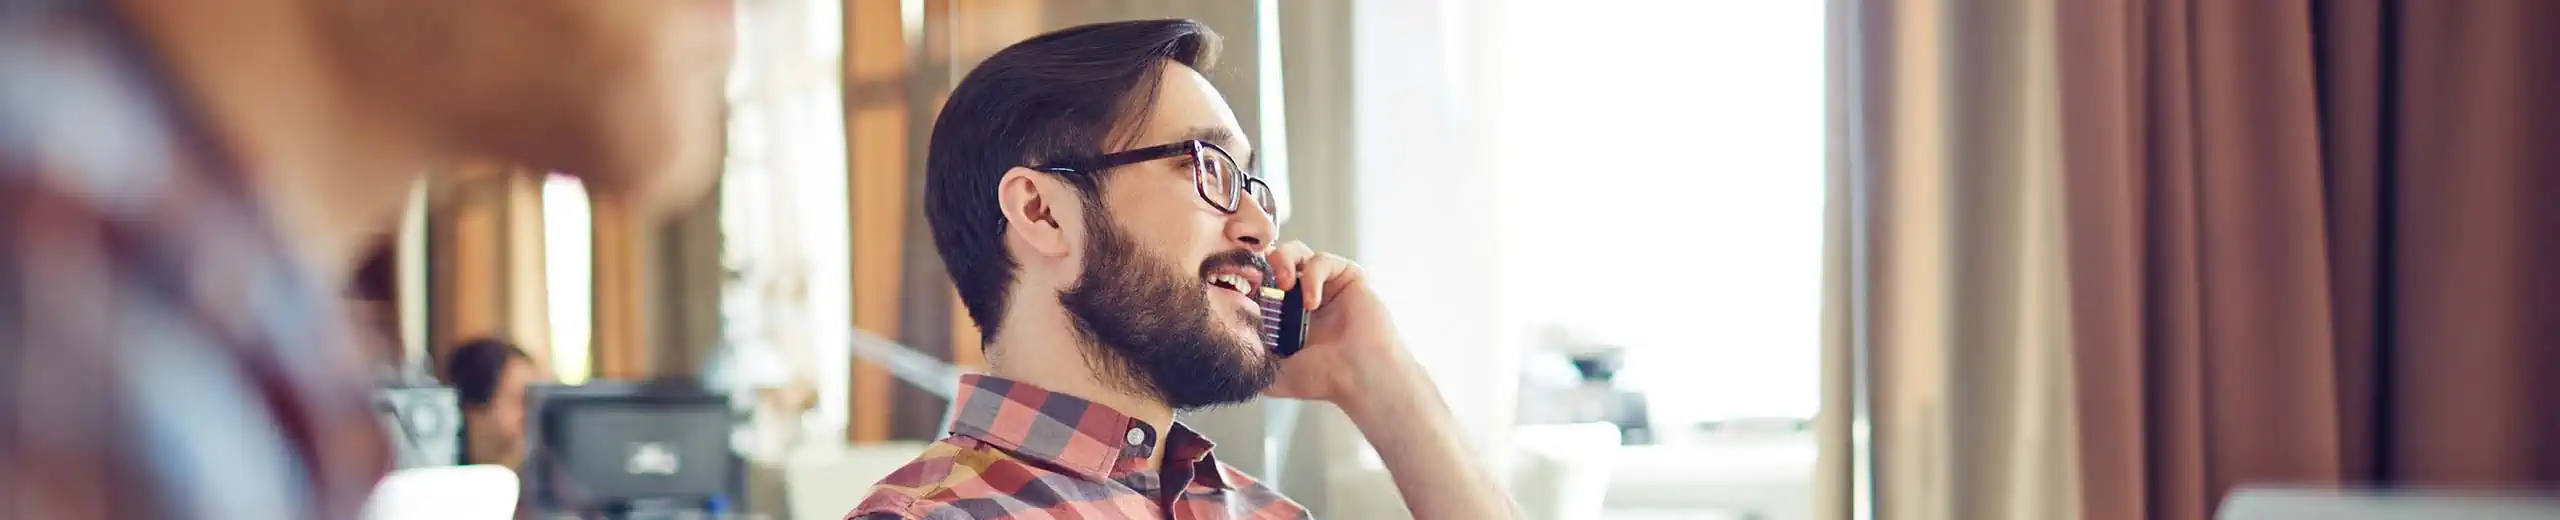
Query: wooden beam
<point x="622" y="293"/>
<point x="525" y="294"/>
<point x="876" y="64"/>
<point x="965" y="349"/>
<point x="484" y="261"/>
<point x="982" y="27"/>
<point x="687" y="248"/>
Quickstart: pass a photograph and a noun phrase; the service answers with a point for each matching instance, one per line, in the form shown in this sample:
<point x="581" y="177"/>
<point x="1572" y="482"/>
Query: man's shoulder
<point x="1237" y="478"/>
<point x="1252" y="499"/>
<point x="930" y="487"/>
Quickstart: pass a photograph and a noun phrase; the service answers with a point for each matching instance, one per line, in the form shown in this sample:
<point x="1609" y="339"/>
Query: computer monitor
<point x="619" y="446"/>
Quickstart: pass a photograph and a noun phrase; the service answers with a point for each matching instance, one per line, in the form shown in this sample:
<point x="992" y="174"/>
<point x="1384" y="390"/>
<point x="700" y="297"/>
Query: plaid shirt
<point x="162" y="353"/>
<point x="1019" y="451"/>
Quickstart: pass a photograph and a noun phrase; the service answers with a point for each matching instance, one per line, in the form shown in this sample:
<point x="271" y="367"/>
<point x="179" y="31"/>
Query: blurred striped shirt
<point x="162" y="352"/>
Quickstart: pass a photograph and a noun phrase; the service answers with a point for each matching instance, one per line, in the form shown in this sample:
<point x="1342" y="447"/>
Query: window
<point x="568" y="250"/>
<point x="1665" y="188"/>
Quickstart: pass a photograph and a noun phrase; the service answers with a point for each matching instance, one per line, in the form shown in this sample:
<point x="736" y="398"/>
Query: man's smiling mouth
<point x="1234" y="282"/>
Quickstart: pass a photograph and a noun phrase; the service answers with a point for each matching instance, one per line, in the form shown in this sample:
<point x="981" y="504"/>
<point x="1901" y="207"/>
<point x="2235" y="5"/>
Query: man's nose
<point x="1252" y="225"/>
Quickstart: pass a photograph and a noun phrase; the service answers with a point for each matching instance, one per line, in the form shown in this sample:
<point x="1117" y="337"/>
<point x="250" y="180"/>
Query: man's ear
<point x="1038" y="210"/>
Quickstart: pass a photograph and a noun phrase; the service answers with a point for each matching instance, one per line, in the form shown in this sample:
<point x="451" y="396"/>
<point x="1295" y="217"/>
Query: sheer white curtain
<point x="783" y="209"/>
<point x="1510" y="163"/>
<point x="1387" y="128"/>
<point x="1427" y="207"/>
<point x="1948" y="295"/>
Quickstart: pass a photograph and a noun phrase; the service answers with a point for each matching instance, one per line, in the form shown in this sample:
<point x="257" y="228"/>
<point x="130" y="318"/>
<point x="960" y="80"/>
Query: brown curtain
<point x="2311" y="242"/>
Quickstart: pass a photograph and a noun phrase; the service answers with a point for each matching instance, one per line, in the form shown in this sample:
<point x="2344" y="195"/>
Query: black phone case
<point x="1284" y="322"/>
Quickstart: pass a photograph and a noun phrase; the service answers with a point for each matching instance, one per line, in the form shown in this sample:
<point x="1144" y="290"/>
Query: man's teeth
<point x="1229" y="281"/>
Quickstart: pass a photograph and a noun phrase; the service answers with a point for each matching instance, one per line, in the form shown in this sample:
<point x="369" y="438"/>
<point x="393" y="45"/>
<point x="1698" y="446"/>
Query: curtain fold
<point x="2310" y="244"/>
<point x="2304" y="242"/>
<point x="2472" y="233"/>
<point x="1840" y="472"/>
<point x="1946" y="278"/>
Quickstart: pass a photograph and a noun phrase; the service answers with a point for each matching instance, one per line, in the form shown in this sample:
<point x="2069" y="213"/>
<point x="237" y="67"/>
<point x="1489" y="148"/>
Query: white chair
<point x="1561" y="471"/>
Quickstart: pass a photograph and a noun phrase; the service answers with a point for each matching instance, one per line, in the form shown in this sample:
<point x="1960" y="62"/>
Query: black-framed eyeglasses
<point x="1214" y="173"/>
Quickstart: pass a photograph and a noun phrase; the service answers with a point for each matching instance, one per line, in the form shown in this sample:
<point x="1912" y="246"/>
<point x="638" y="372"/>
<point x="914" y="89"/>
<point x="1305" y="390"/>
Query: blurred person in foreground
<point x="181" y="181"/>
<point x="1095" y="202"/>
<point x="489" y="379"/>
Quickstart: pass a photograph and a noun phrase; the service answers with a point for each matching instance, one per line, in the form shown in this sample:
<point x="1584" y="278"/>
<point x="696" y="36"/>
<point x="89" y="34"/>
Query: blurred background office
<point x="1712" y="259"/>
<point x="1488" y="161"/>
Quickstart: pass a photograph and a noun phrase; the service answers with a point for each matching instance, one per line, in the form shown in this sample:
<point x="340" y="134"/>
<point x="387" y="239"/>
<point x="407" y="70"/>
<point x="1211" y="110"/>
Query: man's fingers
<point x="1326" y="272"/>
<point x="1294" y="263"/>
<point x="1284" y="270"/>
<point x="1288" y="263"/>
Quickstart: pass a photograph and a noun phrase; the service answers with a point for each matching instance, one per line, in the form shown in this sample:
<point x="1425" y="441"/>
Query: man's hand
<point x="1354" y="360"/>
<point x="1351" y="346"/>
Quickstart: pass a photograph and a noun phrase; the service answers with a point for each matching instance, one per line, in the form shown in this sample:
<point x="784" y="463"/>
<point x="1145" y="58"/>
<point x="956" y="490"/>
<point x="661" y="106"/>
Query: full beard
<point x="1148" y="329"/>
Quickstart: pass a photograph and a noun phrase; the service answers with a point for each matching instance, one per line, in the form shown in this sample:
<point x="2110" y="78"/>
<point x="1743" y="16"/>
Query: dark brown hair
<point x="474" y="368"/>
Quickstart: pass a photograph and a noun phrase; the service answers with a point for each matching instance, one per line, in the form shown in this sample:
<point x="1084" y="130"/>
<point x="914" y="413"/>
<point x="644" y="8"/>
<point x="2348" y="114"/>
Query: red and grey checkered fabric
<point x="1018" y="451"/>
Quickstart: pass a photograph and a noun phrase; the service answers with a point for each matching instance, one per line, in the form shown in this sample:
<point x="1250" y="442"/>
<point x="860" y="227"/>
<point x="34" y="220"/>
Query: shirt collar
<point x="1088" y="439"/>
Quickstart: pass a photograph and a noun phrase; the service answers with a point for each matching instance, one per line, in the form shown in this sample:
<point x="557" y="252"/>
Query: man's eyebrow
<point x="1226" y="140"/>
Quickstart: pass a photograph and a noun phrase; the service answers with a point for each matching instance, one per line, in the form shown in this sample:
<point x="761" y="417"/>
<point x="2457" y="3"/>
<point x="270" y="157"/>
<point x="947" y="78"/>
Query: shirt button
<point x="1137" y="436"/>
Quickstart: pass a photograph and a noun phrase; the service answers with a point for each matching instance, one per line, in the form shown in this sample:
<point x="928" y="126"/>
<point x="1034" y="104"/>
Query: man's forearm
<point x="1415" y="434"/>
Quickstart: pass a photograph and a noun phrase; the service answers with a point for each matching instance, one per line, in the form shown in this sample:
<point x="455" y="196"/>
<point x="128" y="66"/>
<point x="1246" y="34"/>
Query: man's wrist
<point x="1392" y="385"/>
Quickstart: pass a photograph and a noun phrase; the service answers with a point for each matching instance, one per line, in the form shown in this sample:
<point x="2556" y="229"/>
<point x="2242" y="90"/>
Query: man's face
<point x="624" y="94"/>
<point x="1145" y="294"/>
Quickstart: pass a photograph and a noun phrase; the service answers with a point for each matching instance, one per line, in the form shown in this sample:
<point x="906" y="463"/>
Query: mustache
<point x="1240" y="258"/>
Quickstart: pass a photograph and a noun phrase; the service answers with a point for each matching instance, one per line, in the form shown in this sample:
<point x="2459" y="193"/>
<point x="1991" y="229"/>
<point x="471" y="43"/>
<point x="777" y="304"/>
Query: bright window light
<point x="1666" y="179"/>
<point x="568" y="247"/>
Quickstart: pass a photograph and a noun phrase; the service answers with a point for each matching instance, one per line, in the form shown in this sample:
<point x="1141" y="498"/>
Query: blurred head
<point x="489" y="378"/>
<point x="1133" y="254"/>
<point x="625" y="94"/>
<point x="373" y="297"/>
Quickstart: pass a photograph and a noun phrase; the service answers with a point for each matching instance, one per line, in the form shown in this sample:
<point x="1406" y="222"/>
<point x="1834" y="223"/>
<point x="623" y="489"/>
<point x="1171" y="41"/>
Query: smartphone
<point x="1284" y="320"/>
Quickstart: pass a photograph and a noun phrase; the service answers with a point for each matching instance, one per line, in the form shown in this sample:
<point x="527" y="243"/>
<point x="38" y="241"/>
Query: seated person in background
<point x="489" y="378"/>
<point x="1085" y="192"/>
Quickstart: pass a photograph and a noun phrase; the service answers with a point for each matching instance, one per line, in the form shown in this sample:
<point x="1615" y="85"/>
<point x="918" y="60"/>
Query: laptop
<point x="444" y="493"/>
